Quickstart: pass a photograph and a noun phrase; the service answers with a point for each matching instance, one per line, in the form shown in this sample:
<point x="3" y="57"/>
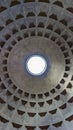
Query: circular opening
<point x="36" y="65"/>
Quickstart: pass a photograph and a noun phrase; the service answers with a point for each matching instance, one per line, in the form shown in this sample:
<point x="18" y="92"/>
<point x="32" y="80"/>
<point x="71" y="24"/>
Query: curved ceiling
<point x="42" y="27"/>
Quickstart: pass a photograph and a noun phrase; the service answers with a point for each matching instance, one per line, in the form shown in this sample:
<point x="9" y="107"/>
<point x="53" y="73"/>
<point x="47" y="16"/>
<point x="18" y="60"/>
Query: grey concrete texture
<point x="28" y="27"/>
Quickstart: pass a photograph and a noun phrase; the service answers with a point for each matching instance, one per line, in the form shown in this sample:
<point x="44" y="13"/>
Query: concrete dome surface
<point x="42" y="28"/>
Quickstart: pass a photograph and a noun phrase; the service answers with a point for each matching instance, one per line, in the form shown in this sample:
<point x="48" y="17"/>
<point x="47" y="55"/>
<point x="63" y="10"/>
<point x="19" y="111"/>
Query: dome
<point x="34" y="99"/>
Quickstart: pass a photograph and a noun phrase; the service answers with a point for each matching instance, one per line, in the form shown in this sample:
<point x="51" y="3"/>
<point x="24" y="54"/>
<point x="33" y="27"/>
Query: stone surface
<point x="28" y="27"/>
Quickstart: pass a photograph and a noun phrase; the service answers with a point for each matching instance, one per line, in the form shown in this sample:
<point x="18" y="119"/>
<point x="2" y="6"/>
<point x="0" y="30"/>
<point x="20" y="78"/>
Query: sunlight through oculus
<point x="36" y="65"/>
